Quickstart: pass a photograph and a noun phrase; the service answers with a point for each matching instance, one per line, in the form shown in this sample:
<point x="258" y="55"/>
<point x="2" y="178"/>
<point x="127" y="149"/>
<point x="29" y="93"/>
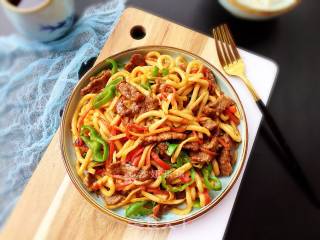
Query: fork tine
<point x="220" y="38"/>
<point x="231" y="41"/>
<point x="227" y="43"/>
<point x="221" y="59"/>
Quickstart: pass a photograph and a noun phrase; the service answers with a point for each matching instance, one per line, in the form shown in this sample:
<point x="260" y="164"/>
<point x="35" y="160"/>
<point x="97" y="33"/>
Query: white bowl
<point x="258" y="9"/>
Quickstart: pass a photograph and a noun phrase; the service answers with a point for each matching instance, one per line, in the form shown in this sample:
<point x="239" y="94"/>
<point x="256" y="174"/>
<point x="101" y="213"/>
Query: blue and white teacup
<point x="46" y="21"/>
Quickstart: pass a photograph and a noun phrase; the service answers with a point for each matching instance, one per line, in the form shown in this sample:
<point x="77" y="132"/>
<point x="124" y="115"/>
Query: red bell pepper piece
<point x="136" y="160"/>
<point x="232" y="108"/>
<point x="100" y="171"/>
<point x="232" y="117"/>
<point x="157" y="191"/>
<point x="156" y="211"/>
<point x="133" y="154"/>
<point x="111" y="151"/>
<point x="137" y="127"/>
<point x="78" y="142"/>
<point x="185" y="178"/>
<point x="161" y="163"/>
<point x="207" y="198"/>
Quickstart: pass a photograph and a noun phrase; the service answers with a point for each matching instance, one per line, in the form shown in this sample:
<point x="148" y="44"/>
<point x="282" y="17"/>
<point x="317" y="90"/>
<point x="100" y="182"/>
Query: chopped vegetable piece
<point x="171" y="148"/>
<point x="111" y="151"/>
<point x="160" y="162"/>
<point x="182" y="159"/>
<point x="196" y="204"/>
<point x="138" y="209"/>
<point x="146" y="85"/>
<point x="155" y="71"/>
<point x="207" y="198"/>
<point x="232" y="109"/>
<point x="133" y="154"/>
<point x="107" y="94"/>
<point x="95" y="143"/>
<point x="165" y="71"/>
<point x="114" y="65"/>
<point x="180" y="188"/>
<point x="232" y="117"/>
<point x="211" y="181"/>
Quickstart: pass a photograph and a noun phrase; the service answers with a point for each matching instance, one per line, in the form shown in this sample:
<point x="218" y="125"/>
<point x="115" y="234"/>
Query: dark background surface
<point x="269" y="204"/>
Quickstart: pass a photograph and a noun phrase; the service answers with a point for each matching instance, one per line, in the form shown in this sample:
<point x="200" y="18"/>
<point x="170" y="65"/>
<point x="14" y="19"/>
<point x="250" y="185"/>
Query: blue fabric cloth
<point x="35" y="81"/>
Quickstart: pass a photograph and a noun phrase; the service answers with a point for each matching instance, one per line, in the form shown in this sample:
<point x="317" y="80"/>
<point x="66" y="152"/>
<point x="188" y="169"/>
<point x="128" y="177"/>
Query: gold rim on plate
<point x="84" y="192"/>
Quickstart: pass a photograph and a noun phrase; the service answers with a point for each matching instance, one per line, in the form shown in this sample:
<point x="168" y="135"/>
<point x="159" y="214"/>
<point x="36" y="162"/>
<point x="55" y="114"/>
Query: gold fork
<point x="232" y="64"/>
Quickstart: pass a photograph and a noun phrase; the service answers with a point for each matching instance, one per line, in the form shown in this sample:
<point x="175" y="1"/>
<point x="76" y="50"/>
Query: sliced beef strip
<point x="96" y="83"/>
<point x="229" y="143"/>
<point x="148" y="105"/>
<point x="209" y="124"/>
<point x="212" y="145"/>
<point x="129" y="171"/>
<point x="162" y="148"/>
<point x="89" y="180"/>
<point x="135" y="60"/>
<point x="114" y="199"/>
<point x="125" y="107"/>
<point x="129" y="66"/>
<point x="181" y="195"/>
<point x="130" y="92"/>
<point x="114" y="168"/>
<point x="133" y="102"/>
<point x="142" y="175"/>
<point x="200" y="157"/>
<point x="217" y="107"/>
<point x="225" y="162"/>
<point x="226" y="155"/>
<point x="193" y="146"/>
<point x="208" y="74"/>
<point x="162" y="137"/>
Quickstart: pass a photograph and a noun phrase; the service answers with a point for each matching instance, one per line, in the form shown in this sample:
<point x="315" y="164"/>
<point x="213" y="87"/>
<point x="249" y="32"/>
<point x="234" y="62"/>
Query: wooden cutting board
<point x="50" y="206"/>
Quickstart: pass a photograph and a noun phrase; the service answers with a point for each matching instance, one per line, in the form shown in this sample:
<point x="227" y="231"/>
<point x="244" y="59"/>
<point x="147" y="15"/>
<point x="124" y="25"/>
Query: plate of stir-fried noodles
<point x="154" y="136"/>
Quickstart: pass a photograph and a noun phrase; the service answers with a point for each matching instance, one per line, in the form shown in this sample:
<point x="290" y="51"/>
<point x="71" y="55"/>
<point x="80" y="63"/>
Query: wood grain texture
<point x="51" y="207"/>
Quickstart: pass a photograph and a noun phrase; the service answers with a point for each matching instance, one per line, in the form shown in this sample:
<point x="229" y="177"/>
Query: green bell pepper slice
<point x="107" y="94"/>
<point x="98" y="146"/>
<point x="196" y="204"/>
<point x="211" y="181"/>
<point x="146" y="85"/>
<point x="182" y="159"/>
<point x="180" y="188"/>
<point x="155" y="71"/>
<point x="138" y="209"/>
<point x="171" y="148"/>
<point x="165" y="71"/>
<point x="114" y="65"/>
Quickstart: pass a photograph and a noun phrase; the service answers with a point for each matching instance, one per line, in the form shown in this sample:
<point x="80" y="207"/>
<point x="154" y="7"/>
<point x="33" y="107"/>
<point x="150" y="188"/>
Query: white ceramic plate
<point x="168" y="218"/>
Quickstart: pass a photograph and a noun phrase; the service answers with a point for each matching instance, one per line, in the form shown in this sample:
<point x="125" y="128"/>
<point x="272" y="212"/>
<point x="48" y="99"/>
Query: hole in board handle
<point x="138" y="32"/>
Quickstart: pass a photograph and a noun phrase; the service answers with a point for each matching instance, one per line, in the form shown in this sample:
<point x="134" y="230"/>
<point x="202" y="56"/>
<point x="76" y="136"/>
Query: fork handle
<point x="291" y="162"/>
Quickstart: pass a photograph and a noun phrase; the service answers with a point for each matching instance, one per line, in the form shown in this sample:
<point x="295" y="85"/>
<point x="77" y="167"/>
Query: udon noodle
<point x="155" y="135"/>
